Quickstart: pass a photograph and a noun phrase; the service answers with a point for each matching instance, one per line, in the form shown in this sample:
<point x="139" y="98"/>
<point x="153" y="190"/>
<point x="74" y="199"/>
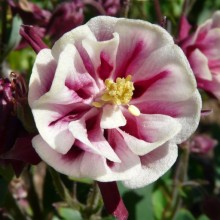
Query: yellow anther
<point x="97" y="104"/>
<point x="119" y="92"/>
<point x="134" y="110"/>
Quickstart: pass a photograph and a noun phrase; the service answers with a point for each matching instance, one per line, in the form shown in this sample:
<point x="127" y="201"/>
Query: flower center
<point x="118" y="93"/>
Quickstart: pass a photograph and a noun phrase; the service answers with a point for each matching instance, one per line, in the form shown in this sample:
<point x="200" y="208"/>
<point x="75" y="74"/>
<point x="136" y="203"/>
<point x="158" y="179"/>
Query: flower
<point x="111" y="100"/>
<point x="66" y="16"/>
<point x="111" y="7"/>
<point x="202" y="51"/>
<point x="31" y="14"/>
<point x="16" y="149"/>
<point x="202" y="144"/>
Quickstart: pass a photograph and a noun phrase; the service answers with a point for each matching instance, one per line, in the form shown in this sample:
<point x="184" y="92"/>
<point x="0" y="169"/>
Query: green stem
<point x="180" y="178"/>
<point x="63" y="191"/>
<point x="33" y="198"/>
<point x="93" y="205"/>
<point x="158" y="12"/>
<point x="96" y="5"/>
<point x="126" y="7"/>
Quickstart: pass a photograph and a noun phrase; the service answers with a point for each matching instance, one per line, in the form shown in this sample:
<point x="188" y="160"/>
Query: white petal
<point x="96" y="143"/>
<point x="99" y="50"/>
<point x="138" y="39"/>
<point x="130" y="163"/>
<point x="42" y="75"/>
<point x="154" y="165"/>
<point x="199" y="64"/>
<point x="189" y="117"/>
<point x="81" y="164"/>
<point x="73" y="37"/>
<point x="112" y="117"/>
<point x="167" y="75"/>
<point x="103" y="27"/>
<point x="151" y="131"/>
<point x="76" y="163"/>
<point x="54" y="132"/>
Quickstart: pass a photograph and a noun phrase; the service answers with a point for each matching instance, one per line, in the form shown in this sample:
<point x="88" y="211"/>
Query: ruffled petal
<point x="211" y="44"/>
<point x="184" y="28"/>
<point x="92" y="137"/>
<point x="79" y="163"/>
<point x="154" y="165"/>
<point x="181" y="111"/>
<point x="53" y="126"/>
<point x="75" y="163"/>
<point x="102" y="55"/>
<point x="211" y="86"/>
<point x="42" y="75"/>
<point x="112" y="117"/>
<point x="145" y="133"/>
<point x="199" y="64"/>
<point x="73" y="37"/>
<point x="71" y="73"/>
<point x="138" y="39"/>
<point x="165" y="75"/>
<point x="51" y="110"/>
<point x="103" y="27"/>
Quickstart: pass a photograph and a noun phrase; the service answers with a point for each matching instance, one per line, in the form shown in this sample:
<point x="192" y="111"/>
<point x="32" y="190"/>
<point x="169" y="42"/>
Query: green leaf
<point x="138" y="202"/>
<point x="203" y="217"/>
<point x="6" y="172"/>
<point x="82" y="180"/>
<point x="184" y="215"/>
<point x="159" y="203"/>
<point x="3" y="191"/>
<point x="69" y="214"/>
<point x="15" y="37"/>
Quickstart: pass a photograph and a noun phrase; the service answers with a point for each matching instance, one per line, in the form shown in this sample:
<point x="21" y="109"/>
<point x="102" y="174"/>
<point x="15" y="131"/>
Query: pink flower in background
<point x="202" y="144"/>
<point x="111" y="7"/>
<point x="66" y="16"/>
<point x="202" y="51"/>
<point x="30" y="13"/>
<point x="16" y="148"/>
<point x="111" y="100"/>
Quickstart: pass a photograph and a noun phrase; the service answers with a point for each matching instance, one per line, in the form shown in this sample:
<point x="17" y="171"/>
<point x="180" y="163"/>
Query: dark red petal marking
<point x="105" y="69"/>
<point x="138" y="48"/>
<point x="142" y="86"/>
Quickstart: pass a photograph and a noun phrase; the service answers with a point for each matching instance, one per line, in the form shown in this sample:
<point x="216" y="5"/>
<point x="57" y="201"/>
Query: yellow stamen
<point x="97" y="104"/>
<point x="134" y="110"/>
<point x="119" y="92"/>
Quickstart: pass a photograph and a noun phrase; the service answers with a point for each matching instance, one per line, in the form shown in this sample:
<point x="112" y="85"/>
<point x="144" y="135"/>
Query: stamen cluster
<point x="119" y="92"/>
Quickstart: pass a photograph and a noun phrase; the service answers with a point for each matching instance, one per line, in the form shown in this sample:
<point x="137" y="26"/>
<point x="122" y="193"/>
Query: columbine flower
<point x="202" y="51"/>
<point x="31" y="14"/>
<point x="15" y="148"/>
<point x="66" y="16"/>
<point x="202" y="144"/>
<point x="111" y="101"/>
<point x="111" y="7"/>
